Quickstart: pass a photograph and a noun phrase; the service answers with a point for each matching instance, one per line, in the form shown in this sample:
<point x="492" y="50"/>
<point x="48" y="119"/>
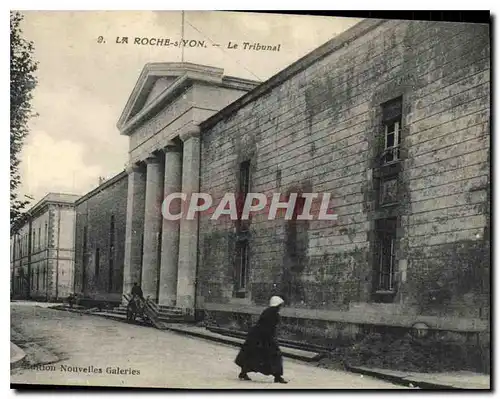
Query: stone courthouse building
<point x="392" y="118"/>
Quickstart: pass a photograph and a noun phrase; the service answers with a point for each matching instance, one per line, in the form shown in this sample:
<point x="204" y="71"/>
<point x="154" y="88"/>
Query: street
<point x="95" y="350"/>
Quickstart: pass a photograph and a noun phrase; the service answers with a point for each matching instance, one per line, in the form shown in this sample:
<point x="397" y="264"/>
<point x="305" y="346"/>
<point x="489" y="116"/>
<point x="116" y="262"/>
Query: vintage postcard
<point x="237" y="200"/>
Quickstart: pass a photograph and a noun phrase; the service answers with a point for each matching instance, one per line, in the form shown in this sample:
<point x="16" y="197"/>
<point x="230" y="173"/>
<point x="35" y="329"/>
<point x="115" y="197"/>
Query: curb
<point x="312" y="348"/>
<point x="404" y="381"/>
<point x="18" y="358"/>
<point x="235" y="342"/>
<point x="106" y="316"/>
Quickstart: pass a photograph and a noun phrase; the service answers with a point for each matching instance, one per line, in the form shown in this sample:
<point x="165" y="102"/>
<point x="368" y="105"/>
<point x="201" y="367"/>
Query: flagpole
<point x="182" y="38"/>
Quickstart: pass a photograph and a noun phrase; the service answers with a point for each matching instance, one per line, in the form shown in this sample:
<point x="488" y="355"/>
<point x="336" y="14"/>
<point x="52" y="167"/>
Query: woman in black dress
<point x="260" y="353"/>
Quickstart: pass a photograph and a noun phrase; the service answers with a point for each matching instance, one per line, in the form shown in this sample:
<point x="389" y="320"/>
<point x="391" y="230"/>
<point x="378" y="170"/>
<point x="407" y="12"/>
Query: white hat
<point x="275" y="301"/>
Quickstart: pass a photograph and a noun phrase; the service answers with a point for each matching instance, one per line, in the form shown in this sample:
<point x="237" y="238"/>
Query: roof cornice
<point x="101" y="187"/>
<point x="343" y="39"/>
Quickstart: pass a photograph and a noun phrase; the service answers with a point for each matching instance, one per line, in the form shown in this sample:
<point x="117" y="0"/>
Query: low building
<point x="100" y="241"/>
<point x="42" y="250"/>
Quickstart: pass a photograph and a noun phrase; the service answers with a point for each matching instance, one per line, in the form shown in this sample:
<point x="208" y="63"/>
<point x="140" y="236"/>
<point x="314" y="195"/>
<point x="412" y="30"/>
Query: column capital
<point x="131" y="168"/>
<point x="171" y="147"/>
<point x="193" y="131"/>
<point x="152" y="159"/>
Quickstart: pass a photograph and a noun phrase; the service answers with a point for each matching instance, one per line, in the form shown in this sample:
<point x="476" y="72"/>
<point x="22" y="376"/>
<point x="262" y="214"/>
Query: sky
<point x="83" y="85"/>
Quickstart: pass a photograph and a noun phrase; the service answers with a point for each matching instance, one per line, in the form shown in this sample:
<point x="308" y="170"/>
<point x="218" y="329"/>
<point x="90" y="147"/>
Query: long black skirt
<point x="260" y="355"/>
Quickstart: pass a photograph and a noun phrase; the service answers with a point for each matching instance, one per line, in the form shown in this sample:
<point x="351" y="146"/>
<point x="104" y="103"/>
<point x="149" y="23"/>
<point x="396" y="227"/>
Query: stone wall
<point x="318" y="131"/>
<point x="94" y="212"/>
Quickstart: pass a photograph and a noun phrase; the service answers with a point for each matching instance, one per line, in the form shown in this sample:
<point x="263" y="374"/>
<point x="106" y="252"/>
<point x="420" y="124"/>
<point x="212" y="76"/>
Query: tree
<point x="22" y="84"/>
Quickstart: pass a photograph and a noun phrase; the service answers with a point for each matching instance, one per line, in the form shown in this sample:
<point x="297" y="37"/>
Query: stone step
<point x="160" y="310"/>
<point x="168" y="309"/>
<point x="283" y="342"/>
<point x="162" y="316"/>
<point x="171" y="319"/>
<point x="168" y="312"/>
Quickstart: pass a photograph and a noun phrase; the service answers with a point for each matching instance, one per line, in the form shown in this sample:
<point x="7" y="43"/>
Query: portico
<point x="161" y="119"/>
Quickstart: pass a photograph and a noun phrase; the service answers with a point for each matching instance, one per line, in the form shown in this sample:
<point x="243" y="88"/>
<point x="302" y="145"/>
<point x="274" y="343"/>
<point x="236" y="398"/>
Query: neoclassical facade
<point x="162" y="118"/>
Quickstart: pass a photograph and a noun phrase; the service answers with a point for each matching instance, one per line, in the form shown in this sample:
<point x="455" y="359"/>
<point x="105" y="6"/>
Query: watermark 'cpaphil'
<point x="306" y="206"/>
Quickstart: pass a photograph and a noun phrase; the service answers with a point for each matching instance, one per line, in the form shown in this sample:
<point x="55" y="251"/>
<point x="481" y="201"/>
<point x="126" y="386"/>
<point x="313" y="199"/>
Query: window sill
<point x="388" y="204"/>
<point x="385" y="292"/>
<point x="395" y="161"/>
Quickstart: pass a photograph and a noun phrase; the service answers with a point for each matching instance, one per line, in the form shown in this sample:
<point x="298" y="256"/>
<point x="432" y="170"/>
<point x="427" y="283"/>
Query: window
<point x="244" y="187"/>
<point x="37" y="279"/>
<point x="386" y="243"/>
<point x="242" y="265"/>
<point x="244" y="177"/>
<point x="97" y="260"/>
<point x="112" y="230"/>
<point x="44" y="272"/>
<point x="110" y="277"/>
<point x="84" y="257"/>
<point x="111" y="252"/>
<point x="142" y="247"/>
<point x="46" y="236"/>
<point x="299" y="207"/>
<point x="39" y="235"/>
<point x="278" y="178"/>
<point x="34" y="241"/>
<point x="391" y="123"/>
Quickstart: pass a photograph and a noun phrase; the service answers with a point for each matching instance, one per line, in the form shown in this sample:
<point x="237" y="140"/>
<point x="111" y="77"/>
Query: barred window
<point x="244" y="188"/>
<point x="242" y="265"/>
<point x="111" y="252"/>
<point x="386" y="242"/>
<point x="97" y="261"/>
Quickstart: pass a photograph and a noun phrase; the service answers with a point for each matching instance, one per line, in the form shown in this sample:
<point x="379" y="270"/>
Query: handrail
<point x="150" y="306"/>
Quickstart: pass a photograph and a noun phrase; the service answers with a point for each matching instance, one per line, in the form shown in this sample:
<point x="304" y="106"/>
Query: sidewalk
<point x="23" y="302"/>
<point x="447" y="380"/>
<point x="17" y="355"/>
<point x="203" y="333"/>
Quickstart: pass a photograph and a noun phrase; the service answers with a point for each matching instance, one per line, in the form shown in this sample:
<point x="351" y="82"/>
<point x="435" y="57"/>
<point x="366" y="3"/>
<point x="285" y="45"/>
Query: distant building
<point x="100" y="241"/>
<point x="42" y="250"/>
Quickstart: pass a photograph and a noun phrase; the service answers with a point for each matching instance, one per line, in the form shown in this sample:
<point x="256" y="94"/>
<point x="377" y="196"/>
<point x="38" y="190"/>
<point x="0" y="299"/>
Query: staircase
<point x="157" y="313"/>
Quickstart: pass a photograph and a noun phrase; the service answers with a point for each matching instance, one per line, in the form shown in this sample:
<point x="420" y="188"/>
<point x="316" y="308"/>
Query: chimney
<point x="101" y="180"/>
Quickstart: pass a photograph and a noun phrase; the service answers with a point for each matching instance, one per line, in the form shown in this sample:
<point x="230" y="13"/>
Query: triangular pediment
<point x="155" y="80"/>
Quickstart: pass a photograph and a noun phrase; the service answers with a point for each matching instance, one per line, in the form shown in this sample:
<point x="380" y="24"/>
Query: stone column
<point x="134" y="227"/>
<point x="170" y="228"/>
<point x="188" y="239"/>
<point x="152" y="227"/>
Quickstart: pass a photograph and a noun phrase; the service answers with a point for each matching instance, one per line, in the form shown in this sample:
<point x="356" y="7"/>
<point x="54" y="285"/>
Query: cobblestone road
<point x="162" y="359"/>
